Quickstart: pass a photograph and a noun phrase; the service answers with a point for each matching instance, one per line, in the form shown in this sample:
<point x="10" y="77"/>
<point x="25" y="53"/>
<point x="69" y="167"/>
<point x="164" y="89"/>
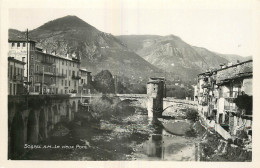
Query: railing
<point x="45" y="73"/>
<point x="76" y="77"/>
<point x="230" y="108"/>
<point x="47" y="62"/>
<point x="232" y="94"/>
<point x="18" y="78"/>
<point x="61" y="75"/>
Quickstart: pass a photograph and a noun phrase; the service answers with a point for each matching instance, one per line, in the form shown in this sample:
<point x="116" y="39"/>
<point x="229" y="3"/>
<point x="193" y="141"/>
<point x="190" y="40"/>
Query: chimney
<point x="53" y="52"/>
<point x="230" y="64"/>
<point x="222" y="66"/>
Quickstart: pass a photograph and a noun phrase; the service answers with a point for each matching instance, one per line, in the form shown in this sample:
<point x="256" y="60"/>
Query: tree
<point x="104" y="82"/>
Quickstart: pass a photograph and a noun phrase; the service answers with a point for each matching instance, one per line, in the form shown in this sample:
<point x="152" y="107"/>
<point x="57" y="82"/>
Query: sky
<point x="223" y="26"/>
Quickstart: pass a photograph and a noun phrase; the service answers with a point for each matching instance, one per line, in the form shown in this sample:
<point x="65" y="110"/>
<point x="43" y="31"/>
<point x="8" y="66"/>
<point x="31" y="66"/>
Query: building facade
<point x="48" y="73"/>
<point x="53" y="74"/>
<point x="85" y="83"/>
<point x="20" y="49"/>
<point x="225" y="98"/>
<point x="15" y="76"/>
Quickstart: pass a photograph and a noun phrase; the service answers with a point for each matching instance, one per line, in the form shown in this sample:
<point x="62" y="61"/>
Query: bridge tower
<point x="155" y="90"/>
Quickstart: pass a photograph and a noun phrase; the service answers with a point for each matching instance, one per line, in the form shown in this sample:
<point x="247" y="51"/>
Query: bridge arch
<point x="17" y="135"/>
<point x="86" y="101"/>
<point x="68" y="112"/>
<point x="42" y="125"/>
<point x="73" y="109"/>
<point x="50" y="118"/>
<point x="32" y="128"/>
<point x="79" y="105"/>
<point x="55" y="114"/>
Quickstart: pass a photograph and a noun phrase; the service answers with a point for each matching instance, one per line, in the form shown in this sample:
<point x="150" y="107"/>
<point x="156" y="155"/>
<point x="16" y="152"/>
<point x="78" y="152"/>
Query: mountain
<point x="97" y="50"/>
<point x="234" y="58"/>
<point x="174" y="55"/>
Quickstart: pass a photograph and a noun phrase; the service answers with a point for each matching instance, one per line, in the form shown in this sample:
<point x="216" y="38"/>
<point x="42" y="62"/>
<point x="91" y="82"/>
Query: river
<point x="134" y="137"/>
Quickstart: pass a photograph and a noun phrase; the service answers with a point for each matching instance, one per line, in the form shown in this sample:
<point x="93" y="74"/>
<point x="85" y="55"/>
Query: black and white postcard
<point x="162" y="81"/>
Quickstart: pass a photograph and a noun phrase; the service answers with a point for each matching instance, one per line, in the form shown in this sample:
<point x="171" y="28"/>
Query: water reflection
<point x="162" y="145"/>
<point x="141" y="139"/>
<point x="153" y="147"/>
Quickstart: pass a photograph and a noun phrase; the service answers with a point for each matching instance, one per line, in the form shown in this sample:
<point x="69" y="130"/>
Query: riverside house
<point x="225" y="98"/>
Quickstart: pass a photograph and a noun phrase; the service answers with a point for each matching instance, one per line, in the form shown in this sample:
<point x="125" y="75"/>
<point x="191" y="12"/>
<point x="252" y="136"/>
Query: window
<point x="65" y="82"/>
<point x="61" y="82"/>
<point x="13" y="44"/>
<point x="31" y="57"/>
<point x="73" y="64"/>
<point x="69" y="83"/>
<point x="11" y="72"/>
<point x="70" y="63"/>
<point x="69" y="72"/>
<point x="23" y="44"/>
<point x="62" y="62"/>
<point x="18" y="44"/>
<point x="37" y="79"/>
<point x="37" y="68"/>
<point x="66" y="72"/>
<point x="53" y="69"/>
<point x="49" y="69"/>
<point x="62" y="72"/>
<point x="11" y="89"/>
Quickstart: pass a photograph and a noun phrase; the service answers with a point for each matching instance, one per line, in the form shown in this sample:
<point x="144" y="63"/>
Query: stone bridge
<point x="32" y="117"/>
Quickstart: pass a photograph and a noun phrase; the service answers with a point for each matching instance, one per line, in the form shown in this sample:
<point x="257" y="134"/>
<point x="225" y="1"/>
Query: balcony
<point x="18" y="78"/>
<point x="47" y="62"/>
<point x="230" y="108"/>
<point x="61" y="75"/>
<point x="76" y="77"/>
<point x="206" y="85"/>
<point x="231" y="95"/>
<point x="45" y="73"/>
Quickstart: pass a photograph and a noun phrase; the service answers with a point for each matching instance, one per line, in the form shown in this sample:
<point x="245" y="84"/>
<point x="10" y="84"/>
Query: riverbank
<point x="126" y="134"/>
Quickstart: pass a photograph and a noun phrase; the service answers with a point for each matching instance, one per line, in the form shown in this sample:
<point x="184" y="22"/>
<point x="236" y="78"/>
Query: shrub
<point x="101" y="108"/>
<point x="191" y="114"/>
<point x="190" y="133"/>
<point x="245" y="102"/>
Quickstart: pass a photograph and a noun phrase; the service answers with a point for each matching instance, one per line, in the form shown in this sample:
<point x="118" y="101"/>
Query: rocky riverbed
<point x="130" y="136"/>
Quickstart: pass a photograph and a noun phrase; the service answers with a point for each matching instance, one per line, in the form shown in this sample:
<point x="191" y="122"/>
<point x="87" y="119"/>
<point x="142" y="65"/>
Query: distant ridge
<point x="134" y="56"/>
<point x="97" y="50"/>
